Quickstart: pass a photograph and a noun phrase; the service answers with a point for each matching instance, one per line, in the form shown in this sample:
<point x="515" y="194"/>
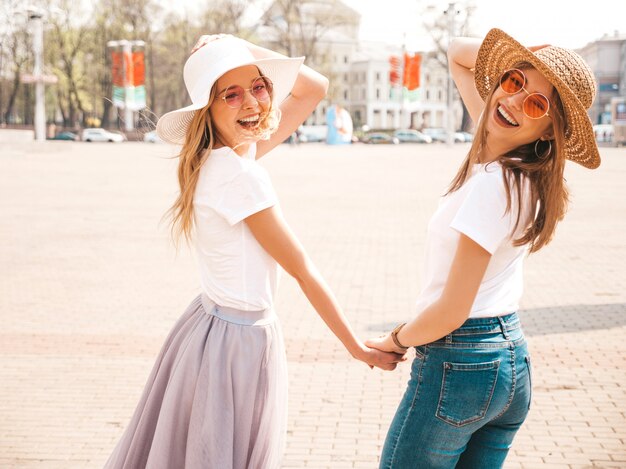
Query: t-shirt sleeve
<point x="482" y="216"/>
<point x="247" y="193"/>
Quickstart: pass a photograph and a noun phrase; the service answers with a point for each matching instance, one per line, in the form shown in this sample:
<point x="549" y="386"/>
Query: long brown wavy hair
<point x="549" y="195"/>
<point x="200" y="139"/>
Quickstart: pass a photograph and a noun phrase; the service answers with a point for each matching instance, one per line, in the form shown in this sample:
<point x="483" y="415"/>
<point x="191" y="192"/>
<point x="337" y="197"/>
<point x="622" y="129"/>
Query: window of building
<point x="440" y="95"/>
<point x="377" y="93"/>
<point x="378" y="76"/>
<point x="345" y="94"/>
<point x="345" y="59"/>
<point x="427" y="95"/>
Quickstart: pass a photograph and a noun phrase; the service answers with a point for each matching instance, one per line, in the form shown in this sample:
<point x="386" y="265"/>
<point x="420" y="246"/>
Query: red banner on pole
<point x="394" y="71"/>
<point x="412" y="64"/>
<point x="139" y="69"/>
<point x="117" y="68"/>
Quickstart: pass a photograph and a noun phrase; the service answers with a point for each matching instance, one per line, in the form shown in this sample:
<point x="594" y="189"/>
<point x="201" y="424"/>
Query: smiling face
<point x="508" y="127"/>
<point x="236" y="127"/>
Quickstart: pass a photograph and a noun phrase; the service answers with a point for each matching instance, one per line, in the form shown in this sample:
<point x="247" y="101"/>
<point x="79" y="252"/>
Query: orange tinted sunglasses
<point x="535" y="105"/>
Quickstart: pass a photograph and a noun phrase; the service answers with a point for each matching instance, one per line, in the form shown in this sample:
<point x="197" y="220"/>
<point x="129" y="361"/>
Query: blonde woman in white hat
<point x="470" y="386"/>
<point x="217" y="396"/>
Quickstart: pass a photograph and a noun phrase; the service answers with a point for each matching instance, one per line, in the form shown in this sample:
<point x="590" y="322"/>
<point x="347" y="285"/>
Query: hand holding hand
<point x="386" y="344"/>
<point x="381" y="359"/>
<point x="205" y="39"/>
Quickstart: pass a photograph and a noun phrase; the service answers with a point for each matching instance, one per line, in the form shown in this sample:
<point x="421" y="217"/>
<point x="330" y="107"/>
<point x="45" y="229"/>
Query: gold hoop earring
<point x="546" y="154"/>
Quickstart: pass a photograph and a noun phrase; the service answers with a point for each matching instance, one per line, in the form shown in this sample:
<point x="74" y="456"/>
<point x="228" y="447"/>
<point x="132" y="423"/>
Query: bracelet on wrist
<point x="394" y="336"/>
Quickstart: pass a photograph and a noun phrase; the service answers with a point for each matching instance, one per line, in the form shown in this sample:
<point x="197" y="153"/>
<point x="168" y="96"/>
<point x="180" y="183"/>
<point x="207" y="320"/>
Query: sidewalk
<point x="90" y="285"/>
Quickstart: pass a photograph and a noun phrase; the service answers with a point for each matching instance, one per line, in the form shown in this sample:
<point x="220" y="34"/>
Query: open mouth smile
<point x="504" y="118"/>
<point x="249" y="122"/>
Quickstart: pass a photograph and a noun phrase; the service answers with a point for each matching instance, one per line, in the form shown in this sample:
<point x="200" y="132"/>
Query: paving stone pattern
<point x="90" y="284"/>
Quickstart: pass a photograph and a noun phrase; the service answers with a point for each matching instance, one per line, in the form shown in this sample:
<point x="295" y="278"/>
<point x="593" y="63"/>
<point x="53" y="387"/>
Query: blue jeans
<point x="468" y="395"/>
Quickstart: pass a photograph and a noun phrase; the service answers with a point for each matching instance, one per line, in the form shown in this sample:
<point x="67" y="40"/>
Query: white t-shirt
<point x="235" y="271"/>
<point x="477" y="210"/>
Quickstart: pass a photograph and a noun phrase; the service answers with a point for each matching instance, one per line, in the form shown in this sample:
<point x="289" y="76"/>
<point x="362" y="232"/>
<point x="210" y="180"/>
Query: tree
<point x="298" y="26"/>
<point x="14" y="56"/>
<point x="66" y="50"/>
<point x="441" y="26"/>
<point x="114" y="20"/>
<point x="170" y="53"/>
<point x="311" y="28"/>
<point x="227" y="16"/>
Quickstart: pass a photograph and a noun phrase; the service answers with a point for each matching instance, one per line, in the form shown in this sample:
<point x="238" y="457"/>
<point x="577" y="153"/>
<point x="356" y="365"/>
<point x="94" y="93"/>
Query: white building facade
<point x="360" y="83"/>
<point x="359" y="78"/>
<point x="607" y="59"/>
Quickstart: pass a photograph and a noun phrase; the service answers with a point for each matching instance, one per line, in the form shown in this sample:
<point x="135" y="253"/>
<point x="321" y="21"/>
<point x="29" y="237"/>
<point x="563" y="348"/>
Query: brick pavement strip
<point x="90" y="285"/>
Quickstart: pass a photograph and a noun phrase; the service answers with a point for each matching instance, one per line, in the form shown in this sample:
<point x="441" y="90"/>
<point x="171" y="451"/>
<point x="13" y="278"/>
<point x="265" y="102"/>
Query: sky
<point x="566" y="23"/>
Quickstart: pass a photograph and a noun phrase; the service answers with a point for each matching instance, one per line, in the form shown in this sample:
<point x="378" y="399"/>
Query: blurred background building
<point x="607" y="58"/>
<point x="363" y="75"/>
<point x="359" y="71"/>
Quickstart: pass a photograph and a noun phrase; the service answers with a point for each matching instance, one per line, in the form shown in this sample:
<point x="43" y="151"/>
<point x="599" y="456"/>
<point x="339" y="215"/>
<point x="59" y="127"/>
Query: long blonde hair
<point x="200" y="139"/>
<point x="549" y="195"/>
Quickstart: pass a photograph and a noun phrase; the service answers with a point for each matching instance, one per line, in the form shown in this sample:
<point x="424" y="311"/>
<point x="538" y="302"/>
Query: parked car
<point x="411" y="136"/>
<point x="101" y="135"/>
<point x="152" y="137"/>
<point x="467" y="136"/>
<point x="439" y="134"/>
<point x="380" y="138"/>
<point x="67" y="135"/>
<point x="312" y="133"/>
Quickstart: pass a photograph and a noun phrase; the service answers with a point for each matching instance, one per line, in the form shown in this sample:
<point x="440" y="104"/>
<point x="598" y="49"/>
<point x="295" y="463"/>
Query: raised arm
<point x="272" y="232"/>
<point x="309" y="89"/>
<point x="462" y="55"/>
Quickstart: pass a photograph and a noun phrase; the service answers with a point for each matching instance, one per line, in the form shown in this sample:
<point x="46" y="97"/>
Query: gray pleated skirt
<point x="216" y="397"/>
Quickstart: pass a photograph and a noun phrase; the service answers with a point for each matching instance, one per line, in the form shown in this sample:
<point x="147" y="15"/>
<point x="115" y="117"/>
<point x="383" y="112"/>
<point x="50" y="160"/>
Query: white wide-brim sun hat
<point x="206" y="65"/>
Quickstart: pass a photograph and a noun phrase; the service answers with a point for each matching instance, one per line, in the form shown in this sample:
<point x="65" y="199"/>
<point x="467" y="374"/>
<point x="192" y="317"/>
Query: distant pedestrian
<point x="470" y="386"/>
<point x="217" y="395"/>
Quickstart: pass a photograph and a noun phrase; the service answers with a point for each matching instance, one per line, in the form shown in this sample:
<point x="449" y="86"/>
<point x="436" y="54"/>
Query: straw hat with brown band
<point x="568" y="73"/>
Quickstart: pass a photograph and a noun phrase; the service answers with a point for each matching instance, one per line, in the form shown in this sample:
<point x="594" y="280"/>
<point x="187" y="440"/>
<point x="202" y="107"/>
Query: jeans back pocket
<point x="466" y="391"/>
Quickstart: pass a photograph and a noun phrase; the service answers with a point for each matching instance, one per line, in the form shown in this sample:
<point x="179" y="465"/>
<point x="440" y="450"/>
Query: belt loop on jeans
<point x="505" y="331"/>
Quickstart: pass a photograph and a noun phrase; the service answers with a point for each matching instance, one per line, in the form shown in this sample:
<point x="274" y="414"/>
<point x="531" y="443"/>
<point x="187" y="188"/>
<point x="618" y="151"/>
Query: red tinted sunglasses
<point x="535" y="105"/>
<point x="261" y="90"/>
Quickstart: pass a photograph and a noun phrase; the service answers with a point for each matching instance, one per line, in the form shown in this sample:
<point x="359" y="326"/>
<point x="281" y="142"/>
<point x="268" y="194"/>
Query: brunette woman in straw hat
<point x="217" y="396"/>
<point x="470" y="385"/>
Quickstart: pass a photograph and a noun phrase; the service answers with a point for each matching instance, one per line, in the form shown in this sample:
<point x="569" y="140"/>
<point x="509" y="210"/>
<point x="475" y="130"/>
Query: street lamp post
<point x="450" y="17"/>
<point x="35" y="16"/>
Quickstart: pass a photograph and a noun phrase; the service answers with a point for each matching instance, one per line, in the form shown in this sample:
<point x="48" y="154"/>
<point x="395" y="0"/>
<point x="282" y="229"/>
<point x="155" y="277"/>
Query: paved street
<point x="90" y="285"/>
